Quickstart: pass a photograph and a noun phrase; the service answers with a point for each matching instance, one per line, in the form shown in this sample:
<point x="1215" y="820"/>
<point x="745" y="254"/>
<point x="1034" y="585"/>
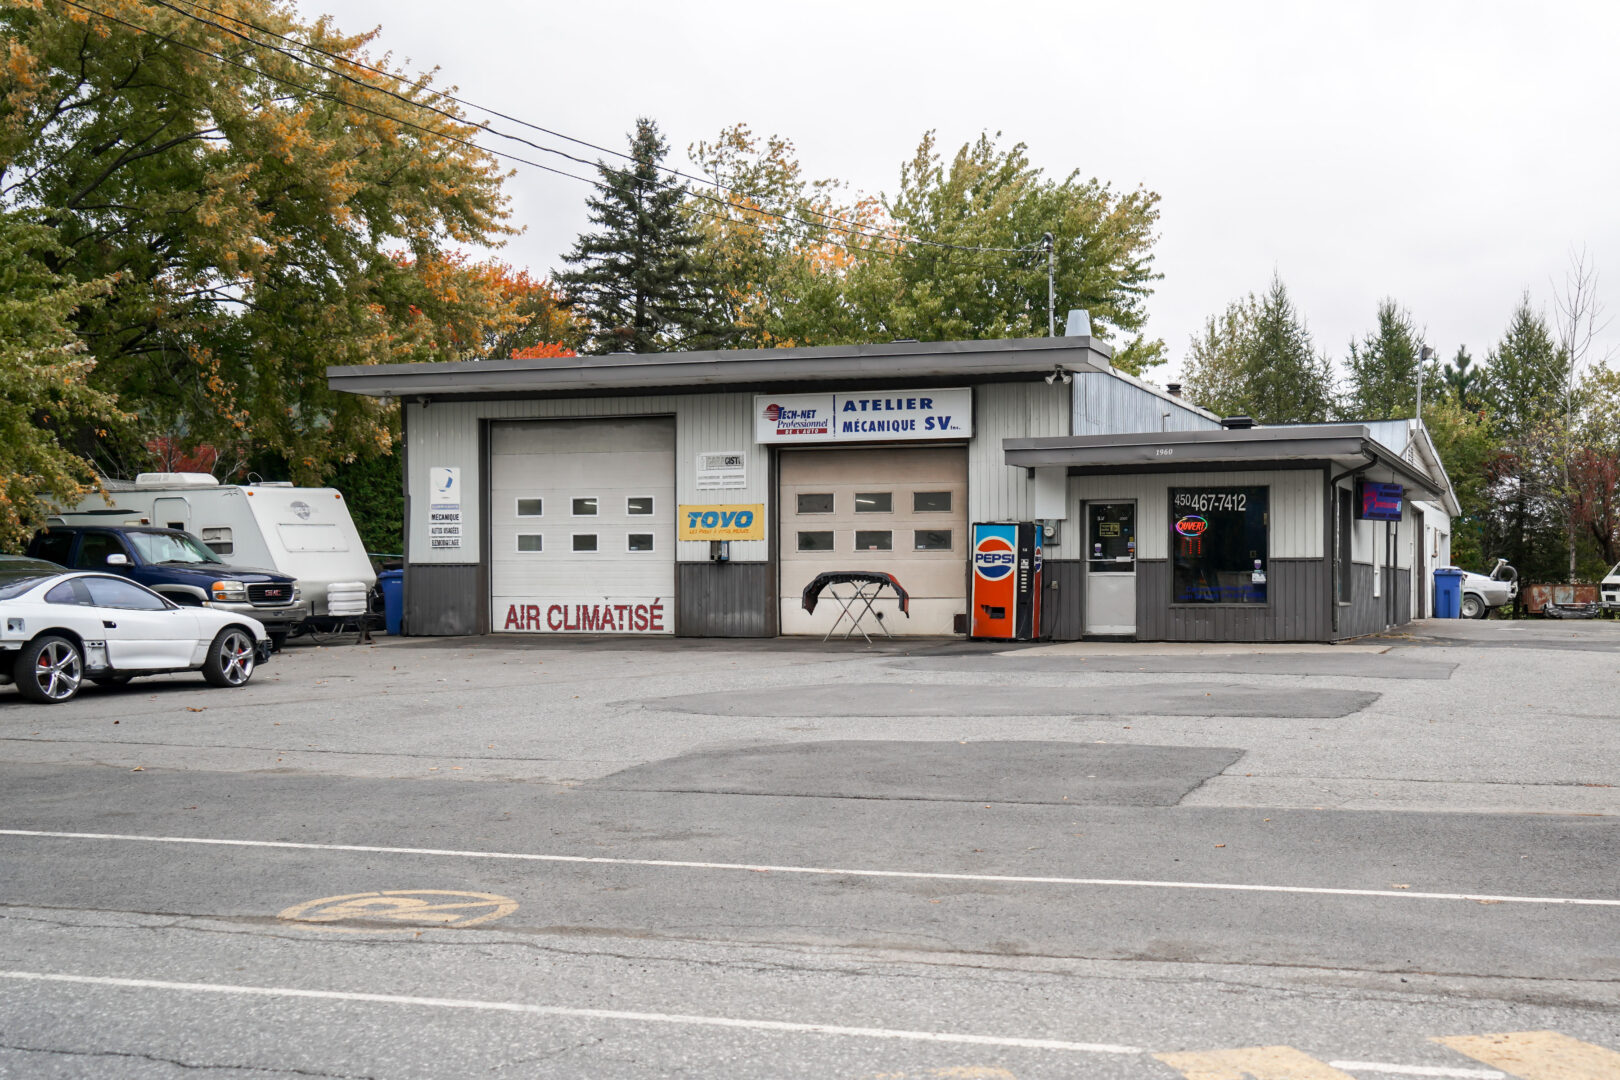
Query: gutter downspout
<point x="1332" y="533"/>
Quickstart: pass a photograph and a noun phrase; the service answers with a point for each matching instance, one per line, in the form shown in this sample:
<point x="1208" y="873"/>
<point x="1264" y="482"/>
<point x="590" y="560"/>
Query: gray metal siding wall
<point x="1062" y="608"/>
<point x="442" y="599"/>
<point x="1297" y="612"/>
<point x="1402" y="585"/>
<point x="1365" y="612"/>
<point x="725" y="599"/>
<point x="1106" y="404"/>
<point x="998" y="491"/>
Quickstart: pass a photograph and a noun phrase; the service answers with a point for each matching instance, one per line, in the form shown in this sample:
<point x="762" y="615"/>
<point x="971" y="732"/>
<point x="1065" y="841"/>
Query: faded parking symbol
<point x="408" y="907"/>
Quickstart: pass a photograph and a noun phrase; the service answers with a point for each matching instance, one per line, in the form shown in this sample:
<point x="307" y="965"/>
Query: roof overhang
<point x="914" y="363"/>
<point x="1350" y="447"/>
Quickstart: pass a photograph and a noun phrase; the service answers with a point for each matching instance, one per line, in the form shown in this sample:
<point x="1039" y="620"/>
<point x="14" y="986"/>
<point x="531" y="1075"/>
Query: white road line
<point x="582" y="1014"/>
<point x="1417" y="1070"/>
<point x="766" y="868"/>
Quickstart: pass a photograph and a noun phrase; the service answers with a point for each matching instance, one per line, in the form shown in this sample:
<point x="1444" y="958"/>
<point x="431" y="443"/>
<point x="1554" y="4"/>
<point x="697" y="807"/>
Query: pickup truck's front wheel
<point x="1473" y="607"/>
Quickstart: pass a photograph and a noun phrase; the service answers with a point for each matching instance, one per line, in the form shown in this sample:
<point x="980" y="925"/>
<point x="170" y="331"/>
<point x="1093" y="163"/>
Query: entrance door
<point x="1110" y="568"/>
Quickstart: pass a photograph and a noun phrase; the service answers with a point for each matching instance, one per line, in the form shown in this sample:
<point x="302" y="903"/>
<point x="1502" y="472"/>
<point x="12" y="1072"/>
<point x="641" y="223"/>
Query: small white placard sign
<point x="444" y="507"/>
<point x="722" y="471"/>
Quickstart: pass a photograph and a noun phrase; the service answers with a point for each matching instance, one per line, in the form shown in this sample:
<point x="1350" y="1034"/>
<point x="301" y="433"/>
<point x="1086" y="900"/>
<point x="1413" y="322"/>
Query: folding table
<point x="857" y="604"/>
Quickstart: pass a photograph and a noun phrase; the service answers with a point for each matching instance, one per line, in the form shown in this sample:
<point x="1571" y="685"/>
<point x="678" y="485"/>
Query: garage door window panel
<point x="817" y="502"/>
<point x="585" y="543"/>
<point x="815" y="541"/>
<point x="639" y="542"/>
<point x="585" y="507"/>
<point x="531" y="508"/>
<point x="930" y="502"/>
<point x="874" y="502"/>
<point x="874" y="540"/>
<point x="530" y="542"/>
<point x="931" y="540"/>
<point x="639" y="506"/>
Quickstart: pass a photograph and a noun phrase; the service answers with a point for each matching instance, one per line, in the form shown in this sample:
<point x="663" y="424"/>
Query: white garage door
<point x="582" y="526"/>
<point x="899" y="511"/>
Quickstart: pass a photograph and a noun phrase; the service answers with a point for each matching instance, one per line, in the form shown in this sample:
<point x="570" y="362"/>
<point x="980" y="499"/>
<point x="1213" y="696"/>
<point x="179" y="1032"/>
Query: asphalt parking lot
<point x="529" y="857"/>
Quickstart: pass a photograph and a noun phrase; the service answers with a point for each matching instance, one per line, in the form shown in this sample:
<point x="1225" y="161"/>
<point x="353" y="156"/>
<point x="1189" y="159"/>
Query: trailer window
<point x="219" y="540"/>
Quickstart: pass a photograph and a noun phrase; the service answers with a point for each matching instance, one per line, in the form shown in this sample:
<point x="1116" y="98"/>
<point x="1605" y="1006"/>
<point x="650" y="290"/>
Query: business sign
<point x="444" y="508"/>
<point x="1006" y="580"/>
<point x="722" y="471"/>
<point x="996" y="553"/>
<point x="1380" y="502"/>
<point x="873" y="416"/>
<point x="721" y="522"/>
<point x="597" y="615"/>
<point x="1192" y="524"/>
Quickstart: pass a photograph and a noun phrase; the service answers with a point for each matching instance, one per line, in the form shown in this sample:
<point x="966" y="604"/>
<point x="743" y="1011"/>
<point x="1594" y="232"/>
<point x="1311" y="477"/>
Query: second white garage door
<point x="899" y="511"/>
<point x="582" y="526"/>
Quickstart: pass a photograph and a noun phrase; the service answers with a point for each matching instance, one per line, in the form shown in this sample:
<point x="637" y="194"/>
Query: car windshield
<point x="14" y="583"/>
<point x="157" y="547"/>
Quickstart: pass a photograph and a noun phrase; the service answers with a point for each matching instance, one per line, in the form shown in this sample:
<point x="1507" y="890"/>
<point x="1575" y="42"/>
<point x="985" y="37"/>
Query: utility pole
<point x="1425" y="354"/>
<point x="1051" y="290"/>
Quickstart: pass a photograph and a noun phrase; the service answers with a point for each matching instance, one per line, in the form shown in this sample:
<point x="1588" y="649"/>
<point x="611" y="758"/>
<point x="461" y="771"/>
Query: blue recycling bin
<point x="392" y="584"/>
<point x="1448" y="593"/>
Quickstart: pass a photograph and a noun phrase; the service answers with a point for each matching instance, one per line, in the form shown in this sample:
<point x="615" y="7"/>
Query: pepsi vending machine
<point x="1007" y="580"/>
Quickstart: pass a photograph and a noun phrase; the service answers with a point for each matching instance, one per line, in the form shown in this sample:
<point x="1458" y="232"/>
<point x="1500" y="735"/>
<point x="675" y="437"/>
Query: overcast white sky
<point x="1447" y="154"/>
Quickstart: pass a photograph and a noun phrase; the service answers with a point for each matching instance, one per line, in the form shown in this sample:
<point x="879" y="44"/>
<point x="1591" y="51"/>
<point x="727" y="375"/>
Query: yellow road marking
<point x="434" y="907"/>
<point x="1538" y="1055"/>
<point x="1252" y="1063"/>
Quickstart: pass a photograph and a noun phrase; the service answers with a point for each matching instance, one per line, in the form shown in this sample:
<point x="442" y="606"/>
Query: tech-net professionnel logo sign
<point x="802" y="421"/>
<point x="993" y="558"/>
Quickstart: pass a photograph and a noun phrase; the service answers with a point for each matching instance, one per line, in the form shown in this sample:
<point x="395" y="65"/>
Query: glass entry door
<point x="1110" y="568"/>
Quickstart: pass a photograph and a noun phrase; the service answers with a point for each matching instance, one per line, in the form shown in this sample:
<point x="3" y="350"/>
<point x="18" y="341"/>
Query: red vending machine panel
<point x="1006" y="581"/>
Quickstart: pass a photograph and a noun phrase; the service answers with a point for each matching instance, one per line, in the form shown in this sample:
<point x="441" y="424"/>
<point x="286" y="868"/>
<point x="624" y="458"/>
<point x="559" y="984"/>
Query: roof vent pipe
<point x="1173" y="389"/>
<point x="1079" y="324"/>
<point x="1237" y="423"/>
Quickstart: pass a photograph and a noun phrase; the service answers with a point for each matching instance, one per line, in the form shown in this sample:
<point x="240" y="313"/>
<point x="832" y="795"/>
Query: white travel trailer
<point x="304" y="532"/>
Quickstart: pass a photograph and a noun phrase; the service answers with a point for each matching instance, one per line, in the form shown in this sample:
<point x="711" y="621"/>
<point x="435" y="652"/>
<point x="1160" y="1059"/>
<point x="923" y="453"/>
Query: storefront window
<point x="1219" y="545"/>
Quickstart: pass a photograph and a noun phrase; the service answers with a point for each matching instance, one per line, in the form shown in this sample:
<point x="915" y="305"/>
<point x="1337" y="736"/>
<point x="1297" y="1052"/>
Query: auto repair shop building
<point x="697" y="494"/>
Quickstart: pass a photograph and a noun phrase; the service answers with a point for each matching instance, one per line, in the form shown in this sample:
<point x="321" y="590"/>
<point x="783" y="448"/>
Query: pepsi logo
<point x="993" y="558"/>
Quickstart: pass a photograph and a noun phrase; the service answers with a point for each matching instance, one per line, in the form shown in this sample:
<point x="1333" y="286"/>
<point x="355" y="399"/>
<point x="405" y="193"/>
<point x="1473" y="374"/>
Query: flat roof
<point x="1351" y="446"/>
<point x="916" y="362"/>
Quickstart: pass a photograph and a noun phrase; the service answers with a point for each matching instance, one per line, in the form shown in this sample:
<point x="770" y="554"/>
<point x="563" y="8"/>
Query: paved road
<point x="782" y="860"/>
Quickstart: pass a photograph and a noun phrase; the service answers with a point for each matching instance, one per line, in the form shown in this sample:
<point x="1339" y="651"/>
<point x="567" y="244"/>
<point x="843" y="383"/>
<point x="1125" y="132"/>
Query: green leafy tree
<point x="637" y="282"/>
<point x="1467" y="445"/>
<point x="1257" y="359"/>
<point x="259" y="218"/>
<point x="45" y="389"/>
<point x="1216" y="371"/>
<point x="1383" y="368"/>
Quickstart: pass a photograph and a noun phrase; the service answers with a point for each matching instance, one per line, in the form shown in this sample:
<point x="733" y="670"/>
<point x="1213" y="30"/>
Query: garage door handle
<point x="109" y="624"/>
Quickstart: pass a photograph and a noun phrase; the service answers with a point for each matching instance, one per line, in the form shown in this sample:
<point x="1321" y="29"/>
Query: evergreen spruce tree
<point x="1463" y="381"/>
<point x="1383" y="368"/>
<point x="637" y="281"/>
<point x="1289" y="382"/>
<point x="1527" y="373"/>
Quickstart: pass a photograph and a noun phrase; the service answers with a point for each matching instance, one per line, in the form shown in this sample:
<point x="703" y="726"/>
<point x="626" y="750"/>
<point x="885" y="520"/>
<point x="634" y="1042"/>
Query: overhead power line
<point x="851" y="228"/>
<point x="447" y="136"/>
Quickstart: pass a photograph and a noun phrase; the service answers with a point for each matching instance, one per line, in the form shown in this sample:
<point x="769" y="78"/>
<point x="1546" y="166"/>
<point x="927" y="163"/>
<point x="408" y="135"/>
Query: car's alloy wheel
<point x="50" y="671"/>
<point x="230" y="658"/>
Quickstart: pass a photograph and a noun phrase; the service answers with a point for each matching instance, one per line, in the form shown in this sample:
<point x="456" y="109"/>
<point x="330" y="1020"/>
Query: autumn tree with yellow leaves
<point x="246" y="211"/>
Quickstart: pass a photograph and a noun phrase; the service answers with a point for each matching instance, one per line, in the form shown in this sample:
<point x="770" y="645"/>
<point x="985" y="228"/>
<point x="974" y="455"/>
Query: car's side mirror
<point x="118" y="560"/>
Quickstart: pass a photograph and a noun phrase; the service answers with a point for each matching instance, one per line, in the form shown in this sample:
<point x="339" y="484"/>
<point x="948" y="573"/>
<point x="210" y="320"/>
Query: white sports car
<point x="59" y="628"/>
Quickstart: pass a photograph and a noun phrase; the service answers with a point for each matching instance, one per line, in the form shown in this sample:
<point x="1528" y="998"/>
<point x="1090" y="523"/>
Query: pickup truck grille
<point x="274" y="594"/>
